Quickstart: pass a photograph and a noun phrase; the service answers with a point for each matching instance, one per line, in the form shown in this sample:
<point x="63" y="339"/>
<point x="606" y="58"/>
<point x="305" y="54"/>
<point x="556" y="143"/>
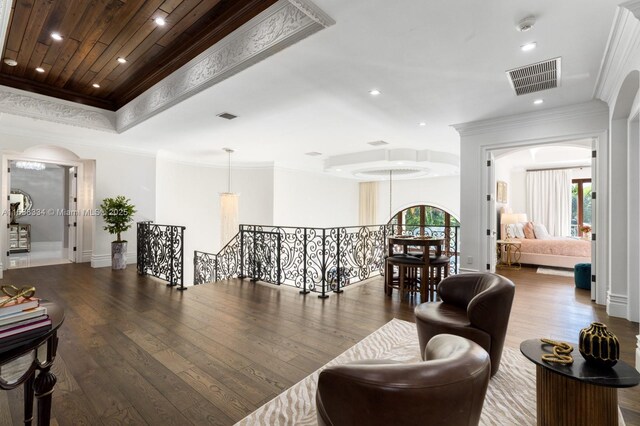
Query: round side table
<point x="577" y="394"/>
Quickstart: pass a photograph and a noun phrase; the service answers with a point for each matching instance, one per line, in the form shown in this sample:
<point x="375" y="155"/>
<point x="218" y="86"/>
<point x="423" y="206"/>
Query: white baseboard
<point x="86" y="256"/>
<point x="104" y="260"/>
<point x="617" y="305"/>
<point x="467" y="270"/>
<point x="46" y="245"/>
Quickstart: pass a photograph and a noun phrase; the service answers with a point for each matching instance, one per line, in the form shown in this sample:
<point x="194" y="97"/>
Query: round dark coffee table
<point x="577" y="394"/>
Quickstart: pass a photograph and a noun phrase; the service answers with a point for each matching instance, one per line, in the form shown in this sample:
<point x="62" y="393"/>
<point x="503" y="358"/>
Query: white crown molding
<point x="583" y="110"/>
<point x="313" y="12"/>
<point x="623" y="42"/>
<point x="5" y="15"/>
<point x="27" y="104"/>
<point x="272" y="30"/>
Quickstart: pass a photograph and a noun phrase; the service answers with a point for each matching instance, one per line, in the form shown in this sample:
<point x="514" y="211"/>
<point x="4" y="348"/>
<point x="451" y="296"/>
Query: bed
<point x="561" y="252"/>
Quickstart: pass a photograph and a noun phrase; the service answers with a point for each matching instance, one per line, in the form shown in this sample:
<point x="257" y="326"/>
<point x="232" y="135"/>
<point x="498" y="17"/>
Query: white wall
<point x="314" y="199"/>
<point x="188" y="195"/>
<point x="441" y="192"/>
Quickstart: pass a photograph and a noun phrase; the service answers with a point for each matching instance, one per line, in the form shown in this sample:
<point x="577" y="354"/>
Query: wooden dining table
<point x="423" y="243"/>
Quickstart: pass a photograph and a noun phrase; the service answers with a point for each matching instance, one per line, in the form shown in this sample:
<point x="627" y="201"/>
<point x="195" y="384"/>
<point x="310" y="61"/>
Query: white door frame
<point x="601" y="188"/>
<point x="4" y="219"/>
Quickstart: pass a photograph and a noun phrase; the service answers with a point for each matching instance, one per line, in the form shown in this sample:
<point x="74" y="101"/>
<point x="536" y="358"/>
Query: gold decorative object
<point x="15" y="293"/>
<point x="561" y="352"/>
<point x="598" y="345"/>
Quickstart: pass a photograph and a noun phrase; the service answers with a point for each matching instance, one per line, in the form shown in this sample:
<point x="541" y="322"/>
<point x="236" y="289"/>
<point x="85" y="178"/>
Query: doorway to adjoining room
<point x="42" y="221"/>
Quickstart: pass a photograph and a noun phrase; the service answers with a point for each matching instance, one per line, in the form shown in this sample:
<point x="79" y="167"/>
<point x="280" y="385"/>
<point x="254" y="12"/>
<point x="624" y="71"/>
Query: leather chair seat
<point x="440" y="260"/>
<point x="437" y="318"/>
<point x="447" y="388"/>
<point x="405" y="259"/>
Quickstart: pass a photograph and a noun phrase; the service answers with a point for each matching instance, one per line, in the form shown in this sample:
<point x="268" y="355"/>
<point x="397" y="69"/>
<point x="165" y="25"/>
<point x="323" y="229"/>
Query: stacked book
<point x="21" y="319"/>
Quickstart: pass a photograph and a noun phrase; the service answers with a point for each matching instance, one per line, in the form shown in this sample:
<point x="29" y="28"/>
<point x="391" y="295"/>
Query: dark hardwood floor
<point x="133" y="351"/>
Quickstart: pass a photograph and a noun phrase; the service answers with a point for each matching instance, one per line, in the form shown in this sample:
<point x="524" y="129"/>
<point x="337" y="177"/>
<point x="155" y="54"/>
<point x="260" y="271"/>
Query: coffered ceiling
<point x="95" y="33"/>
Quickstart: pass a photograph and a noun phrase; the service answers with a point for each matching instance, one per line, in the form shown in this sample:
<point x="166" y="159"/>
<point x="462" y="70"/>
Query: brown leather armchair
<point x="476" y="306"/>
<point x="448" y="388"/>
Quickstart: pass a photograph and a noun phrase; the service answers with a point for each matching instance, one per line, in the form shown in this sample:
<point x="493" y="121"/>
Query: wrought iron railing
<point x="161" y="252"/>
<point x="320" y="260"/>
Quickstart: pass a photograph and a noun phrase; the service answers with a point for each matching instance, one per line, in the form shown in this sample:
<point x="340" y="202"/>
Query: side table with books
<point x="28" y="344"/>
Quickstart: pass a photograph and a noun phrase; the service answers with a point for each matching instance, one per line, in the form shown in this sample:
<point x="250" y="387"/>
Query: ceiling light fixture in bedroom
<point x="529" y="46"/>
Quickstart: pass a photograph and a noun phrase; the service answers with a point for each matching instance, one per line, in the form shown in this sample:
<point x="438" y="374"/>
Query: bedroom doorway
<point x="507" y="190"/>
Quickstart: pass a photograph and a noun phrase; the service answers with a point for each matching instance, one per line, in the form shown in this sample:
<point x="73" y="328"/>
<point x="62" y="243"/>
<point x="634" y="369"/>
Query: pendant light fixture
<point x="229" y="211"/>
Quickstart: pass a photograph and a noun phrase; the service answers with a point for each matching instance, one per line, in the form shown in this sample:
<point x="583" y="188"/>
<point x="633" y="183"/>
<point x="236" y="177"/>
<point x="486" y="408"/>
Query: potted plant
<point x="117" y="214"/>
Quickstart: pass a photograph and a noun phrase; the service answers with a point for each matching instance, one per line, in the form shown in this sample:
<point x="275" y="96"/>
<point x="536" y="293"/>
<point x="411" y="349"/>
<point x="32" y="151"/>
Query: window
<point x="580" y="205"/>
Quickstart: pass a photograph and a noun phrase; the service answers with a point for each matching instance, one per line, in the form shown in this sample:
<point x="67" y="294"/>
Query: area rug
<point x="510" y="400"/>
<point x="554" y="271"/>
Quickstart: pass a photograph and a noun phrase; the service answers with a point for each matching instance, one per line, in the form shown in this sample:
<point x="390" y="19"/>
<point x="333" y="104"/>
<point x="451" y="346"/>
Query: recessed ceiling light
<point x="40" y="69"/>
<point x="56" y="36"/>
<point x="338" y="170"/>
<point x="422" y="124"/>
<point x="374" y="92"/>
<point x="400" y="162"/>
<point x="96" y="85"/>
<point x="121" y="60"/>
<point x="529" y="46"/>
<point x="160" y="21"/>
<point x="538" y="101"/>
<point x="11" y="62"/>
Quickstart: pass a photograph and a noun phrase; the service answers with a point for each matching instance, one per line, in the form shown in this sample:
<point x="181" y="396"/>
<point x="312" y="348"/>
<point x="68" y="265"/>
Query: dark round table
<point x="580" y="393"/>
<point x="21" y="360"/>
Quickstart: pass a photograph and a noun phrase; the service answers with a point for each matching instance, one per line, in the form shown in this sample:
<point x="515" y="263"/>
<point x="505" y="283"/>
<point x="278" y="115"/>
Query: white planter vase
<point x="118" y="255"/>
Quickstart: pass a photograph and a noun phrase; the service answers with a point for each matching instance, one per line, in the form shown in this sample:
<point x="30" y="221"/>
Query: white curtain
<point x="549" y="200"/>
<point x="368" y="203"/>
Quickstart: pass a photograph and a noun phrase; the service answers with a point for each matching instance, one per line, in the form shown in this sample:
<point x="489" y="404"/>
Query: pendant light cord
<point x="390" y="194"/>
<point x="229" y="174"/>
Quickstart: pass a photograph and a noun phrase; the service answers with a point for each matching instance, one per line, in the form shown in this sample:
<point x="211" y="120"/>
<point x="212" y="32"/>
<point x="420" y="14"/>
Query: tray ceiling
<point x="95" y="33"/>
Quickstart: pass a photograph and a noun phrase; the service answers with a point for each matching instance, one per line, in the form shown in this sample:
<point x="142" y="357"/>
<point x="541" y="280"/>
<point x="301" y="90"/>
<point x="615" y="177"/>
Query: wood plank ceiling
<point x="95" y="33"/>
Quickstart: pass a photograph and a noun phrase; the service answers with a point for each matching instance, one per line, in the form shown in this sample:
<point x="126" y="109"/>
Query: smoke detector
<point x="526" y="24"/>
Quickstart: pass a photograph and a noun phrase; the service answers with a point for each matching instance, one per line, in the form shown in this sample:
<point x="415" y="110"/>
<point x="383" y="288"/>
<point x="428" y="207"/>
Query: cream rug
<point x="510" y="400"/>
<point x="553" y="271"/>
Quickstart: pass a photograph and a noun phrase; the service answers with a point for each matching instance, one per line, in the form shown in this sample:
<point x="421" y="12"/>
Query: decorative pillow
<point x="541" y="231"/>
<point x="528" y="231"/>
<point x="519" y="228"/>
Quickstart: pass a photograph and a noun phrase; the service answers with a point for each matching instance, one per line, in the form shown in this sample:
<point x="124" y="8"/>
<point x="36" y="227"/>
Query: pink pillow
<point x="528" y="231"/>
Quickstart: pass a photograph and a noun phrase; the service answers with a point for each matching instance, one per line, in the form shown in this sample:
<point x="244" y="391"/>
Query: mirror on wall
<point x="20" y="203"/>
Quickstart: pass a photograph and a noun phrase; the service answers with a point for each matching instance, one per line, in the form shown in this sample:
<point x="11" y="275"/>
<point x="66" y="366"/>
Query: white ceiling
<point x="437" y="62"/>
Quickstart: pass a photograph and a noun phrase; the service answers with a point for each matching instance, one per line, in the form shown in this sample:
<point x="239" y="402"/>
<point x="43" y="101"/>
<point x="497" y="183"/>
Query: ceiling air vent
<point x="227" y="116"/>
<point x="535" y="77"/>
<point x="378" y="143"/>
